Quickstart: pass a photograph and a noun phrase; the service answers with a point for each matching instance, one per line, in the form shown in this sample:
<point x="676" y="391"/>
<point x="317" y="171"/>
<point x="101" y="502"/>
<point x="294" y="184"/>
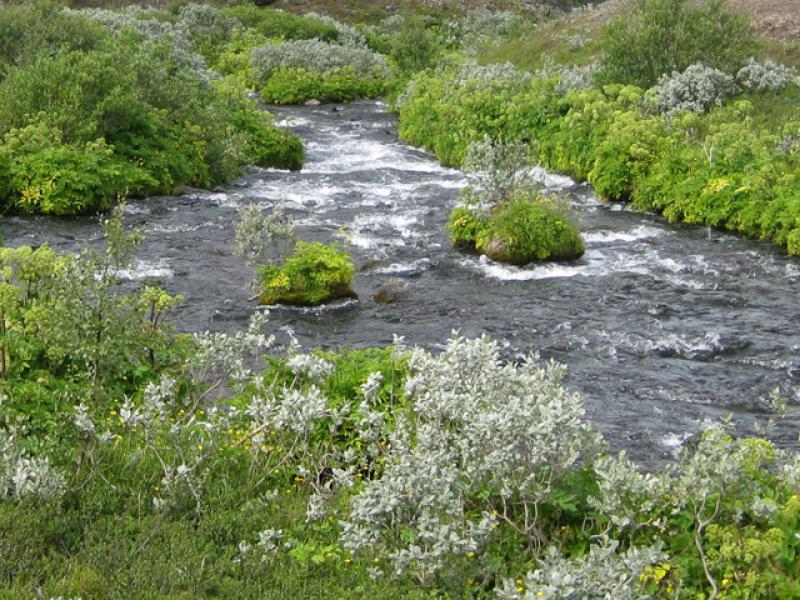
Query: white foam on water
<point x="299" y="193"/>
<point x="293" y="122"/>
<point x="145" y="270"/>
<point x="136" y="209"/>
<point x="551" y="180"/>
<point x="315" y="310"/>
<point x="641" y="232"/>
<point x="401" y="223"/>
<point x="159" y="228"/>
<point x="505" y="272"/>
<point x="348" y="153"/>
<point x="411" y="268"/>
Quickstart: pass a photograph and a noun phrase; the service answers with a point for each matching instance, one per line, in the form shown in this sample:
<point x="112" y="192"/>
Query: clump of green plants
<point x="526" y="229"/>
<point x="316" y="273"/>
<point x="502" y="216"/>
<point x="281" y="25"/>
<point x="291" y="272"/>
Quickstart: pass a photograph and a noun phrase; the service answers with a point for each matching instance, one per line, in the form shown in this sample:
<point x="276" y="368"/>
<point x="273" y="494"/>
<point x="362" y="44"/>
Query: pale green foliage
<point x="696" y="89"/>
<point x="22" y="475"/>
<point x="627" y="496"/>
<point x="496" y="171"/>
<point x="264" y="237"/>
<point x="89" y="319"/>
<point x="481" y="27"/>
<point x="497" y="436"/>
<point x="347" y="35"/>
<point x="315" y="56"/>
<point x="603" y="574"/>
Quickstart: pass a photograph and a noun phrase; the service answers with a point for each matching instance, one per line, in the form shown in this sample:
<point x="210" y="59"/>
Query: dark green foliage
<point x="660" y="36"/>
<point x="414" y="47"/>
<point x="278" y="24"/>
<point x="314" y="274"/>
<point x="84" y="123"/>
<point x="38" y="29"/>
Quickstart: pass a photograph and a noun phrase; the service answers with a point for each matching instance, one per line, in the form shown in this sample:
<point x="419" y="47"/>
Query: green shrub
<point x="294" y="86"/>
<point x="526" y="229"/>
<point x="33" y="29"/>
<point x="465" y="227"/>
<point x="314" y="274"/>
<point x="128" y="118"/>
<point x="43" y="175"/>
<point x="279" y="24"/>
<point x="414" y="47"/>
<point x="658" y="37"/>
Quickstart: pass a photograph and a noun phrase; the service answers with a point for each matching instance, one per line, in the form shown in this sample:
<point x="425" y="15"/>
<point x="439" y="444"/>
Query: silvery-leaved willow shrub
<point x="629" y="498"/>
<point x="765" y="76"/>
<point x="264" y="237"/>
<point x="603" y="573"/>
<point x="696" y="89"/>
<point x="482" y="446"/>
<point x="496" y="170"/>
<point x="22" y="475"/>
<point x="480" y="27"/>
<point x="575" y="78"/>
<point x="315" y="56"/>
<point x="176" y="36"/>
<point x="346" y="35"/>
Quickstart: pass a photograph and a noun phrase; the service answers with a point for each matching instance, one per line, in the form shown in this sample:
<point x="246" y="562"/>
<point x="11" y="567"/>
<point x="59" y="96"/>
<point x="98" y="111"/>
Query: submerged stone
<point x="392" y="291"/>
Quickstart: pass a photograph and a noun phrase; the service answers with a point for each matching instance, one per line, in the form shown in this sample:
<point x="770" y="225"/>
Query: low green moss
<point x="315" y="274"/>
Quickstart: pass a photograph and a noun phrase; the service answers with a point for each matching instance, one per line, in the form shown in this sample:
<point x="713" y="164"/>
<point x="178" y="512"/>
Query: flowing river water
<point x="664" y="328"/>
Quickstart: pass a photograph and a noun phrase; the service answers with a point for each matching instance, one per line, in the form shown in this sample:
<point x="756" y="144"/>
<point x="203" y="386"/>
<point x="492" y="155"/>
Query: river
<point x="664" y="328"/>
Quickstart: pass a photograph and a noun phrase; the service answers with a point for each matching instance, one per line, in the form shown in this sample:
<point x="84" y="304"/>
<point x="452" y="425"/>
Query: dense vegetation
<point x="719" y="168"/>
<point x="139" y="463"/>
<point x="371" y="472"/>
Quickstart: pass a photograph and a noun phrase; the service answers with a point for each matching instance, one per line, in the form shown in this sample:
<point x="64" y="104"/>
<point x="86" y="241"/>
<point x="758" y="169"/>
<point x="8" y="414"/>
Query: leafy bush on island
<point x="291" y="272"/>
<point x="314" y="274"/>
<point x="502" y="216"/>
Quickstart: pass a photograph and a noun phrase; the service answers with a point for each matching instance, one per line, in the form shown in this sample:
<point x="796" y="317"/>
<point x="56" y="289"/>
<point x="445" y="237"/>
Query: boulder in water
<point x="392" y="291"/>
<point x="312" y="102"/>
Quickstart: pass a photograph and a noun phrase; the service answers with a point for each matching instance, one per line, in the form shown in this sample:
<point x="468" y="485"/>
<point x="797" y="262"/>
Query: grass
<point x="771" y="111"/>
<point x="565" y="41"/>
<point x="99" y="549"/>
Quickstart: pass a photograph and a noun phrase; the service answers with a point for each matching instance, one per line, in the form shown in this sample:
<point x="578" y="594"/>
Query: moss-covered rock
<point x="315" y="274"/>
<point x="519" y="231"/>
